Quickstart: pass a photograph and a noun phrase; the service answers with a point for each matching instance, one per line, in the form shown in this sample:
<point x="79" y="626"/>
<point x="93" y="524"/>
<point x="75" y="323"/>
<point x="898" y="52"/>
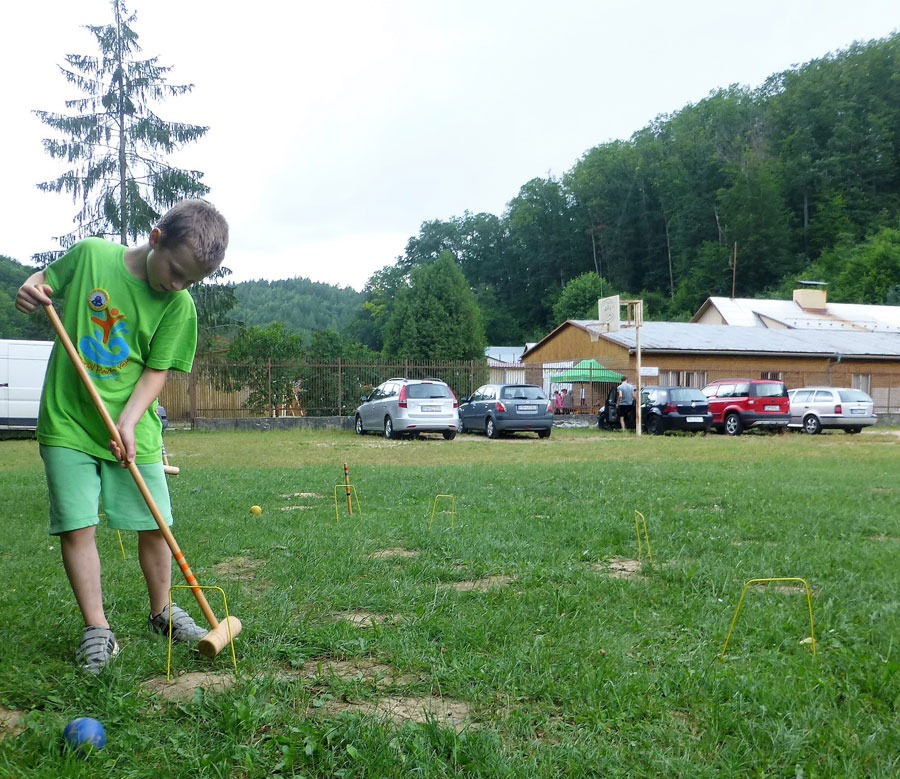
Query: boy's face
<point x="171" y="269"/>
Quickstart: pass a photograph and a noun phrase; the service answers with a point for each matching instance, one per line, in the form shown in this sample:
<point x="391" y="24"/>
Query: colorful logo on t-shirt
<point x="105" y="351"/>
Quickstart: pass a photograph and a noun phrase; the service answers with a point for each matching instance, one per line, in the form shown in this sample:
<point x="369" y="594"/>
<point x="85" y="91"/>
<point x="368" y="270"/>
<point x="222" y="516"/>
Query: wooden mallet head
<point x="218" y="638"/>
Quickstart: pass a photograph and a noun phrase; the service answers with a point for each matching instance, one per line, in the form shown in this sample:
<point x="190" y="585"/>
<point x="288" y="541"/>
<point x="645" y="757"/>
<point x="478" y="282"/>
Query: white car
<point x="409" y="407"/>
<point x="814" y="409"/>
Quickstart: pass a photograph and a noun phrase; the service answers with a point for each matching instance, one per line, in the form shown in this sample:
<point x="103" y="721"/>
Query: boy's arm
<point x="33" y="294"/>
<point x="147" y="389"/>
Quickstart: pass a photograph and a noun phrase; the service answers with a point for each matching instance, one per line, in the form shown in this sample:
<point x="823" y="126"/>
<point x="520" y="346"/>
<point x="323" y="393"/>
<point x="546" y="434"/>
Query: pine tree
<point x="115" y="142"/>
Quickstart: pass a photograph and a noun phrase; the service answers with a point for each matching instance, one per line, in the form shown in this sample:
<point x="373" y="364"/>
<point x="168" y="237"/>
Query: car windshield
<point x="764" y="389"/>
<point x="419" y="391"/>
<point x="522" y="393"/>
<point x="849" y="395"/>
<point x="685" y="395"/>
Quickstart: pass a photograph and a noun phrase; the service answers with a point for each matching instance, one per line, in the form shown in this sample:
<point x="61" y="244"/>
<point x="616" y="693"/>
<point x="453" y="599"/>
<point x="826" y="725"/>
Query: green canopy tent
<point x="588" y="374"/>
<point x="586" y="371"/>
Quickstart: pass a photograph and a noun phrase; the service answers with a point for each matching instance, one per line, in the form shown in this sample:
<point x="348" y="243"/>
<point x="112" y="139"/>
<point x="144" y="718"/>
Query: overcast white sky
<point x="338" y="128"/>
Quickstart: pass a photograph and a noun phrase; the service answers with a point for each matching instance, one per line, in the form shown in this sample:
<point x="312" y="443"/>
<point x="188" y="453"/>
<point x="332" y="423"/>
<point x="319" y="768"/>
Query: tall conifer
<point x="116" y="144"/>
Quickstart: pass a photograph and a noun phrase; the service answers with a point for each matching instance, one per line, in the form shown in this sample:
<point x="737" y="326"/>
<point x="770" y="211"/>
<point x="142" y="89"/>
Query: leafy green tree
<point x="870" y="271"/>
<point x="325" y="391"/>
<point x="435" y="317"/>
<point x="756" y="218"/>
<point x="541" y="251"/>
<point x="367" y="325"/>
<point x="215" y="302"/>
<point x="579" y="298"/>
<point x="264" y="361"/>
<point x="13" y="323"/>
<point x="117" y="144"/>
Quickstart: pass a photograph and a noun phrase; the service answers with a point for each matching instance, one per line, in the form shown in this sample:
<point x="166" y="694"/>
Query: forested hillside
<point x="302" y="305"/>
<point x="798" y="177"/>
<point x="14" y="324"/>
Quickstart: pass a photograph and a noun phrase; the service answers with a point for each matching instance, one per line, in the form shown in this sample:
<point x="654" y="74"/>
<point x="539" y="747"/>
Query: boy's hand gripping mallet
<point x="220" y="632"/>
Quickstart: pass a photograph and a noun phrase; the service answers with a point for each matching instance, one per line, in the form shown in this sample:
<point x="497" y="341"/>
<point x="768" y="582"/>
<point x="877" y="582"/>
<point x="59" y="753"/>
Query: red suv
<point x="738" y="404"/>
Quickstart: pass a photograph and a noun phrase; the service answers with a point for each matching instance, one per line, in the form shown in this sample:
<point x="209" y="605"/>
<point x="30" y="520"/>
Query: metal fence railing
<point x="225" y="390"/>
<point x="221" y="390"/>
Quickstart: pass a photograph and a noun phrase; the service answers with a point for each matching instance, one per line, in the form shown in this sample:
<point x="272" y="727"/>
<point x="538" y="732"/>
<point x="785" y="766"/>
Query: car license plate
<point x="429" y="409"/>
<point x="857" y="411"/>
<point x="771" y="408"/>
<point x="527" y="408"/>
<point x="695" y="419"/>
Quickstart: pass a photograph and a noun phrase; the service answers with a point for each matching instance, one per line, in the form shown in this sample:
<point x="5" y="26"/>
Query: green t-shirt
<point x="119" y="326"/>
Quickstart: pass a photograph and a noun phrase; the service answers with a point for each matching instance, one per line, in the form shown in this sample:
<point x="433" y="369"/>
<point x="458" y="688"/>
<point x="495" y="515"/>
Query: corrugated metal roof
<point x="746" y="312"/>
<point x="504" y="353"/>
<point x="695" y="337"/>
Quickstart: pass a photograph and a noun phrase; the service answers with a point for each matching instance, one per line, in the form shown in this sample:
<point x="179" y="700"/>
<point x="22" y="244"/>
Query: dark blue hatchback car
<point x="496" y="409"/>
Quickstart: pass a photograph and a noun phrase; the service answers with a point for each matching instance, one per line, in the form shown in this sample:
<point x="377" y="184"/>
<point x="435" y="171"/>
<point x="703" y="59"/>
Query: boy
<point x="131" y="319"/>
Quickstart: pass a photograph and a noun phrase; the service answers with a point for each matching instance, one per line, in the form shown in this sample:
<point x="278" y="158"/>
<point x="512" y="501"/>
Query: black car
<point x="662" y="409"/>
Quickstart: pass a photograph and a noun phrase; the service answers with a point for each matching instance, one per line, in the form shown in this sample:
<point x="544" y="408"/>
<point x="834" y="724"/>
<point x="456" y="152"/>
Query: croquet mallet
<point x="220" y="632"/>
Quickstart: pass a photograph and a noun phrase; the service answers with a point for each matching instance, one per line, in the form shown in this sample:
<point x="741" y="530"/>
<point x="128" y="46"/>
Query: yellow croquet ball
<point x="255" y="510"/>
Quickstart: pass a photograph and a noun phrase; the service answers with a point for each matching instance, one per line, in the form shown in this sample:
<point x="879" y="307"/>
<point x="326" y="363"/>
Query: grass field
<point x="514" y="643"/>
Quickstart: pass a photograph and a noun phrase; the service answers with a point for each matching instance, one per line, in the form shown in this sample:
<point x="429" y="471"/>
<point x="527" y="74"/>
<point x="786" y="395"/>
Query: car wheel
<point x="360" y="430"/>
<point x="449" y="435"/>
<point x="544" y="433"/>
<point x="853" y="429"/>
<point x="654" y="426"/>
<point x="460" y="427"/>
<point x="603" y="423"/>
<point x="490" y="429"/>
<point x="389" y="428"/>
<point x="733" y="424"/>
<point x="812" y="425"/>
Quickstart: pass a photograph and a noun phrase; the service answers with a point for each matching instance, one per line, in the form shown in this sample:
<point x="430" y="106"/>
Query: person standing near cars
<point x="624" y="401"/>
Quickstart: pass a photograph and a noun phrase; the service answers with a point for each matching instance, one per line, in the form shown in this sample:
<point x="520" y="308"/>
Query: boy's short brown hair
<point x="198" y="224"/>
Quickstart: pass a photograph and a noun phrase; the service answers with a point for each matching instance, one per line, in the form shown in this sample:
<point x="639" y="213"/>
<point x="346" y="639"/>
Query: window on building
<point x="772" y="375"/>
<point x="682" y="378"/>
<point x="861" y="381"/>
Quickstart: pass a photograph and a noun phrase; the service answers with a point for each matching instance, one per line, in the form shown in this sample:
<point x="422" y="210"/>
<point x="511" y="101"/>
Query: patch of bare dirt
<point x="481" y="585"/>
<point x="394" y="551"/>
<point x="366" y="619"/>
<point x="11" y="722"/>
<point x="444" y="711"/>
<point x="181" y="688"/>
<point x="302" y="495"/>
<point x="785" y="588"/>
<point x="883" y="538"/>
<point x="238" y="567"/>
<point x="379" y="675"/>
<point x="747" y="542"/>
<point x="620" y="568"/>
<point x="296" y="508"/>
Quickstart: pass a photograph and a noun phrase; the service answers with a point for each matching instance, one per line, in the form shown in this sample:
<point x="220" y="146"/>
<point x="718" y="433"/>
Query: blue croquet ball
<point x="83" y="731"/>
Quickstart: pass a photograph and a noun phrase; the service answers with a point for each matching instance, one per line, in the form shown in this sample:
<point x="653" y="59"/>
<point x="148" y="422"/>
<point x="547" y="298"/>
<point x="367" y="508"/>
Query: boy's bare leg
<point x="156" y="563"/>
<point x="82" y="563"/>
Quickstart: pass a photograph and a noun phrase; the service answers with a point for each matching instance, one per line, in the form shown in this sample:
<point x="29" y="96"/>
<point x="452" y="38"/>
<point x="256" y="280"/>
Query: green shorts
<point x="77" y="482"/>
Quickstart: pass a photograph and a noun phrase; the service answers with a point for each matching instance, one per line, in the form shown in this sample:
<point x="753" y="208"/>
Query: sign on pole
<point x="608" y="313"/>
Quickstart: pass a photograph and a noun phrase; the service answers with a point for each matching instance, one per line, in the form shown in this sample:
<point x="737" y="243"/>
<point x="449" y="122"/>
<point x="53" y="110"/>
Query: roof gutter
<point x="734" y="353"/>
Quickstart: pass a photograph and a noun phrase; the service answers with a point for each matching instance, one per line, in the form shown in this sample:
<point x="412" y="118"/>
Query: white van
<point x="22" y="368"/>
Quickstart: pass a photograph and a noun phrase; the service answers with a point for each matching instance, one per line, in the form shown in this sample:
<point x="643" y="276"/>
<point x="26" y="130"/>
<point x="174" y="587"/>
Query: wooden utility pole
<point x="734" y="271"/>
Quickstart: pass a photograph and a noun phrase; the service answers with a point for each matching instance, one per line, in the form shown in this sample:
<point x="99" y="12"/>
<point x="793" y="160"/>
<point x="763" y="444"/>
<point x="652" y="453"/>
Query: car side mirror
<point x="364" y="398"/>
<point x="463" y="400"/>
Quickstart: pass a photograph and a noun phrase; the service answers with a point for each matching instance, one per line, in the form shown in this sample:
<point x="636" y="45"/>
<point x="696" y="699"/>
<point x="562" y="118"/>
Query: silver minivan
<point x="409" y="406"/>
<point x="814" y="409"/>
